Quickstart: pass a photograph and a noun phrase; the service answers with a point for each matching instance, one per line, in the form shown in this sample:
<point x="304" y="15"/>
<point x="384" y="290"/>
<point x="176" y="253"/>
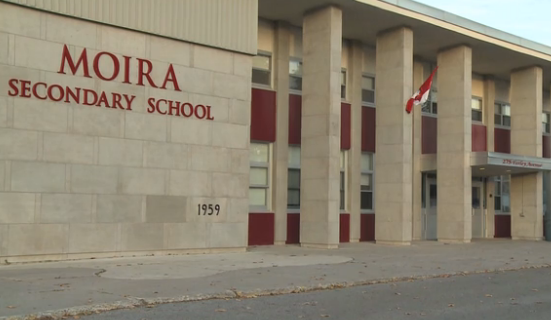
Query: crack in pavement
<point x="136" y="302"/>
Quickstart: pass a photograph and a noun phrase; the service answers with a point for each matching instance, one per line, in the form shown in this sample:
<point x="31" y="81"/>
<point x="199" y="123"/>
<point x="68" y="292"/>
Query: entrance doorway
<point x="429" y="214"/>
<point x="478" y="216"/>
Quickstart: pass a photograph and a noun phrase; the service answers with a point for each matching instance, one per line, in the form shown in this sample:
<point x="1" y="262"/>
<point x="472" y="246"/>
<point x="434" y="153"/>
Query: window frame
<point x="430" y="104"/>
<point x="501" y="180"/>
<point x="367" y="103"/>
<point x="292" y="167"/>
<point x="546" y="130"/>
<point x="501" y="104"/>
<point x="292" y="90"/>
<point x="372" y="174"/>
<point x="343" y="188"/>
<point x="481" y="121"/>
<point x="267" y="186"/>
<point x="344" y="86"/>
<point x="269" y="55"/>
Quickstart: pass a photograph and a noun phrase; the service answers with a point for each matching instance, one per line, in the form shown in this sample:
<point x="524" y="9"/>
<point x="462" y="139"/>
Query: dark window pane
<point x="497" y="203"/>
<point x="507" y="121"/>
<point x="342" y="181"/>
<point x="476" y="115"/>
<point x="366" y="202"/>
<point x="342" y="200"/>
<point x="368" y="96"/>
<point x="293" y="179"/>
<point x="435" y="107"/>
<point x="261" y="77"/>
<point x="293" y="198"/>
<point x="497" y="119"/>
<point x="295" y="83"/>
<point x="343" y="92"/>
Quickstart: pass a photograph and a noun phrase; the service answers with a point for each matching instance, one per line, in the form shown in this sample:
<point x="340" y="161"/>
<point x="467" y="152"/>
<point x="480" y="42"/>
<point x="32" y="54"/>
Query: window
<point x="545" y="117"/>
<point x="342" y="181"/>
<point x="368" y="90"/>
<point x="431" y="106"/>
<point x="501" y="197"/>
<point x="366" y="199"/>
<point x="476" y="109"/>
<point x="262" y="69"/>
<point x="295" y="75"/>
<point x="343" y="84"/>
<point x="545" y="193"/>
<point x="293" y="182"/>
<point x="259" y="158"/>
<point x="502" y="114"/>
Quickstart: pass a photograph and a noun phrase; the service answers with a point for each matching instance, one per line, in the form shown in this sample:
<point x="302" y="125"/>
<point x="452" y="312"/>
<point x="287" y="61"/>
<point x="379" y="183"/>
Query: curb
<point x="136" y="302"/>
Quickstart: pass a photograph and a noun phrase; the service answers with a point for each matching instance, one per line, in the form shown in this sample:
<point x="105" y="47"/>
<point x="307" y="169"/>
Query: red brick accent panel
<point x="345" y="126"/>
<point x="367" y="230"/>
<point x="344" y="227"/>
<point x="368" y="129"/>
<point x="263" y="115"/>
<point x="293" y="228"/>
<point x="261" y="229"/>
<point x="502" y="140"/>
<point x="502" y="226"/>
<point x="295" y="115"/>
<point x="429" y="131"/>
<point x="478" y="138"/>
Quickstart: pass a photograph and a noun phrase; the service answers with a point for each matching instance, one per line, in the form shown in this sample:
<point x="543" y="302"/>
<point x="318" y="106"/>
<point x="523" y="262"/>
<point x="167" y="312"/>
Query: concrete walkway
<point x="31" y="291"/>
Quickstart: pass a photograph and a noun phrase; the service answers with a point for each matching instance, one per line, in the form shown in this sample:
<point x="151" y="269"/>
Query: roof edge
<point x="468" y="26"/>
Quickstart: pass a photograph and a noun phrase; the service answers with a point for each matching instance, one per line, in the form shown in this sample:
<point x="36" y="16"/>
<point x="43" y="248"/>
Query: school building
<point x="199" y="126"/>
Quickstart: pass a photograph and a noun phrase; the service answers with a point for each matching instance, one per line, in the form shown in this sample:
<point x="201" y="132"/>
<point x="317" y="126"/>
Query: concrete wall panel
<point x="93" y="159"/>
<point x="227" y="24"/>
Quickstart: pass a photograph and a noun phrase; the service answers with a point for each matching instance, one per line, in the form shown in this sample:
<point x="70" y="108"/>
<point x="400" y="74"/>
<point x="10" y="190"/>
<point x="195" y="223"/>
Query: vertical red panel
<point x="263" y="115"/>
<point x="261" y="229"/>
<point x="502" y="140"/>
<point x="295" y="118"/>
<point x="502" y="226"/>
<point x="345" y="126"/>
<point x="429" y="131"/>
<point x="478" y="138"/>
<point x="293" y="228"/>
<point x="546" y="152"/>
<point x="368" y="129"/>
<point x="367" y="229"/>
<point x="344" y="227"/>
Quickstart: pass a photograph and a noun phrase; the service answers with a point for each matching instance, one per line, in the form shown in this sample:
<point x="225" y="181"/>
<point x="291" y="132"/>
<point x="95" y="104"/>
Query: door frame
<point x="427" y="210"/>
<point x="481" y="186"/>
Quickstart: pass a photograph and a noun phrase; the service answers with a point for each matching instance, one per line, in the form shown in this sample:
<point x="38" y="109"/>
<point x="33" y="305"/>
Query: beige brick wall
<point x="77" y="179"/>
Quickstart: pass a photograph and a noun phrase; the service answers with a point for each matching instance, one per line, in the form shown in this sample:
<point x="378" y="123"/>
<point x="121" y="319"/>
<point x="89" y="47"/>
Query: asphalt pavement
<point x="509" y="295"/>
<point x="53" y="290"/>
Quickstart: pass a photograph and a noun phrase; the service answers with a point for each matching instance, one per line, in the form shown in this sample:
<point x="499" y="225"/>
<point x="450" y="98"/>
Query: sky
<point x="524" y="18"/>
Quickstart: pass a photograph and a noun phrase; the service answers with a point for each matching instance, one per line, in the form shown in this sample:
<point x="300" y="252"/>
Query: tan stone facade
<point x="122" y="137"/>
<point x="104" y="180"/>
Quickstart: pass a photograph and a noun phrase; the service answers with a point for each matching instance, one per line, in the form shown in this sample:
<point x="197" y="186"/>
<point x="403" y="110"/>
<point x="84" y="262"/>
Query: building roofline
<point x="461" y="22"/>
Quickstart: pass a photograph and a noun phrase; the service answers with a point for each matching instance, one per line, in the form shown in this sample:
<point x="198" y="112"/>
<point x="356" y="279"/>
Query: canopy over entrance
<point x="488" y="164"/>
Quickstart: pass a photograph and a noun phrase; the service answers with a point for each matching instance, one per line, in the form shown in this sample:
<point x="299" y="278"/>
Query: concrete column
<point x="281" y="146"/>
<point x="490" y="209"/>
<point x="418" y="79"/>
<point x="527" y="190"/>
<point x="393" y="156"/>
<point x="355" y="153"/>
<point x="548" y="173"/>
<point x="321" y="113"/>
<point x="454" y="215"/>
<point x="488" y="104"/>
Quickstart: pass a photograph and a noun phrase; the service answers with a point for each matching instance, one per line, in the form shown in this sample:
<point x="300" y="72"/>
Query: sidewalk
<point x="88" y="286"/>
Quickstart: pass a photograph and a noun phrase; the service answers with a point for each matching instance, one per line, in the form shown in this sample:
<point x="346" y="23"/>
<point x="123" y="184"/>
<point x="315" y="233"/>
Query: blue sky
<point x="525" y="18"/>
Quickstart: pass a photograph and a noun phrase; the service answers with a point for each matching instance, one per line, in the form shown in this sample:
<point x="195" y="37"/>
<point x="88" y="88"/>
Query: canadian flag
<point x="421" y="96"/>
